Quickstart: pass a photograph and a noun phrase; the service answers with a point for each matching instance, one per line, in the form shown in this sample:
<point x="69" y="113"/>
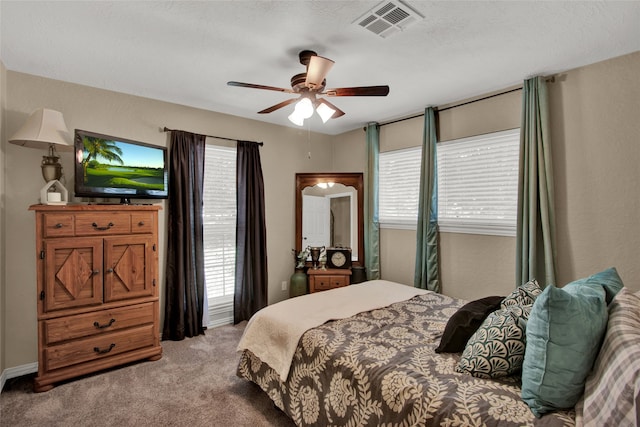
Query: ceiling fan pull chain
<point x="309" y="140"/>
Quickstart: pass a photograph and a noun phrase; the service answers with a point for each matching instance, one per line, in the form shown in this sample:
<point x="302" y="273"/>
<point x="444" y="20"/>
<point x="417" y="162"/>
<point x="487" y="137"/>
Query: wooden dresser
<point x="330" y="278"/>
<point x="97" y="272"/>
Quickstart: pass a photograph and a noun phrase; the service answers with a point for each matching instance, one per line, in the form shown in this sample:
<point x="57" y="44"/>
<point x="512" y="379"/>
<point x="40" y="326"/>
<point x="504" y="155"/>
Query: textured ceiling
<point x="184" y="52"/>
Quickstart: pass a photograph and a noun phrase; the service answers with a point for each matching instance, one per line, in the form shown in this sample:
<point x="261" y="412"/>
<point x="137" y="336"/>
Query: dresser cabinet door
<point x="128" y="263"/>
<point x="72" y="273"/>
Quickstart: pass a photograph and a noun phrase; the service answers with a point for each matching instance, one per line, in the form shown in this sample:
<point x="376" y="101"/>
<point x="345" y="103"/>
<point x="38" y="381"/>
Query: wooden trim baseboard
<point x="17" y="371"/>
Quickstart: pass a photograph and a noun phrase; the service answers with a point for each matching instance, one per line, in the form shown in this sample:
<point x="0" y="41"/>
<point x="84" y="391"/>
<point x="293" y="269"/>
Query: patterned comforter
<point x="379" y="368"/>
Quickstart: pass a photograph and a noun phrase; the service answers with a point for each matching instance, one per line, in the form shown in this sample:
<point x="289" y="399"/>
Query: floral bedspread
<point x="379" y="368"/>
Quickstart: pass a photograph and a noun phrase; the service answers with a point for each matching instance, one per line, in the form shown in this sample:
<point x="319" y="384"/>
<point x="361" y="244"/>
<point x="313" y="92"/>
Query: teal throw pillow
<point x="497" y="348"/>
<point x="523" y="295"/>
<point x="609" y="280"/>
<point x="563" y="335"/>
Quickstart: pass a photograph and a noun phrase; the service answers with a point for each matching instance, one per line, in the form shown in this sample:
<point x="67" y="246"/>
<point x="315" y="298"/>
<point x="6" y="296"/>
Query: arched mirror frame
<point x="349" y="179"/>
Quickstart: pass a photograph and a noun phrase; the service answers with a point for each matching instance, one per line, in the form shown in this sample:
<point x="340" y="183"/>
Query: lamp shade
<point x="325" y="112"/>
<point x="43" y="128"/>
<point x="317" y="71"/>
<point x="304" y="108"/>
<point x="296" y="119"/>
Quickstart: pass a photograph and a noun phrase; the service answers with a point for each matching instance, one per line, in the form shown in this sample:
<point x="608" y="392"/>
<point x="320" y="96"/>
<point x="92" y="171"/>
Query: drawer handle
<point x="99" y="326"/>
<point x="104" y="351"/>
<point x="102" y="228"/>
<point x="58" y="225"/>
<point x="141" y="223"/>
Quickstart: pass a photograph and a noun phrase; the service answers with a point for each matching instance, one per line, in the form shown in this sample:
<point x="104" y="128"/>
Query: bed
<point x="375" y="364"/>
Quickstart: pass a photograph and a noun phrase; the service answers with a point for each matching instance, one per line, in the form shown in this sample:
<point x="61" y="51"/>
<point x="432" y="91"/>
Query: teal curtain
<point x="427" y="274"/>
<point x="535" y="244"/>
<point x="371" y="225"/>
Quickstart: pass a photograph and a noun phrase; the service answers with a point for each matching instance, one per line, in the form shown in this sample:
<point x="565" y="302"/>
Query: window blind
<point x="219" y="219"/>
<point x="478" y="183"/>
<point x="398" y="187"/>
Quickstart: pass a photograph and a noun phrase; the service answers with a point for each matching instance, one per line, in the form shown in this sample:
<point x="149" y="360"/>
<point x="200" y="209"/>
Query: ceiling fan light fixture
<point x="317" y="71"/>
<point x="296" y="119"/>
<point x="325" y="112"/>
<point x="304" y="108"/>
<point x="309" y="87"/>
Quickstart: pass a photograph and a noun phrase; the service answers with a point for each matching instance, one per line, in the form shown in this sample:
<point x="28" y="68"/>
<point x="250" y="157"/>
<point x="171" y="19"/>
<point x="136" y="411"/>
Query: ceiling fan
<point x="310" y="85"/>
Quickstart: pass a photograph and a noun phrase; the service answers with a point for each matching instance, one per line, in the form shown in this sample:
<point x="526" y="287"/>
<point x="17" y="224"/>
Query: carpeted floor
<point x="194" y="384"/>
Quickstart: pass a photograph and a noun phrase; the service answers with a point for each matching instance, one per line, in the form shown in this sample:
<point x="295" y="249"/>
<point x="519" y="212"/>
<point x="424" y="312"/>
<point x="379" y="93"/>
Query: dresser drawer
<point x="142" y="222"/>
<point x="88" y="224"/>
<point x="58" y="225"/>
<point x="98" y="347"/>
<point x="99" y="322"/>
<point x="322" y="283"/>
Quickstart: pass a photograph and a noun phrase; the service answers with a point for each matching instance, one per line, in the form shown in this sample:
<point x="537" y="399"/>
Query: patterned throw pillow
<point x="497" y="348"/>
<point x="523" y="295"/>
<point x="609" y="391"/>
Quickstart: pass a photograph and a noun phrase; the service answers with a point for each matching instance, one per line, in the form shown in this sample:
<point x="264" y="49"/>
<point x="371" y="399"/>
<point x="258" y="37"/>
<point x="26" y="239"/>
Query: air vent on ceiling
<point x="388" y="18"/>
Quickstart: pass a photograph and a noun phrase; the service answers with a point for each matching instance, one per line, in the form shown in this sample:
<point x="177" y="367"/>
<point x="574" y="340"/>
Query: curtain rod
<point x="166" y="129"/>
<point x="439" y="110"/>
<point x="550" y="79"/>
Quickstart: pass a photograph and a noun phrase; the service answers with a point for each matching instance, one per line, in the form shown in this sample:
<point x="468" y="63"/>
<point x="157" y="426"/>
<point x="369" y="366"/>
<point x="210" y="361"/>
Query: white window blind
<point x="219" y="220"/>
<point x="398" y="188"/>
<point x="478" y="183"/>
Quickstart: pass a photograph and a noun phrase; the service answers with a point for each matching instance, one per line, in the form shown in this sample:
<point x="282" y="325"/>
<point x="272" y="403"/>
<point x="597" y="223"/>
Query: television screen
<point x="108" y="166"/>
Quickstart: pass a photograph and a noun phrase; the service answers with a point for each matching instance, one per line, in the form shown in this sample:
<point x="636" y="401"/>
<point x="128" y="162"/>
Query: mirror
<point x="329" y="212"/>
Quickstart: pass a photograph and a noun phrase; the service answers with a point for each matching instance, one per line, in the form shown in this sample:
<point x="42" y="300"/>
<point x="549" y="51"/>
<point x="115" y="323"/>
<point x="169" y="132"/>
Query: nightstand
<point x="322" y="280"/>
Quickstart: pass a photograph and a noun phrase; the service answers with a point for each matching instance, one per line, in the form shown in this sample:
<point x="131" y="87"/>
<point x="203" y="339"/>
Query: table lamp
<point x="45" y="128"/>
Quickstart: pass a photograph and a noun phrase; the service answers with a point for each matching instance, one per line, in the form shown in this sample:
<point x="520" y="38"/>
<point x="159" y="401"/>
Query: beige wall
<point x="3" y="77"/>
<point x="595" y="129"/>
<point x="284" y="153"/>
<point x="596" y="152"/>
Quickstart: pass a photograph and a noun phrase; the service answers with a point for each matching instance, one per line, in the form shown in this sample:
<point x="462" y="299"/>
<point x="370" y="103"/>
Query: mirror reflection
<point x="333" y="216"/>
<point x="329" y="216"/>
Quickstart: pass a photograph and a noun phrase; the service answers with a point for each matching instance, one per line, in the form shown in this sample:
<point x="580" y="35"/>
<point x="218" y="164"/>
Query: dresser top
<point x="329" y="272"/>
<point x="94" y="207"/>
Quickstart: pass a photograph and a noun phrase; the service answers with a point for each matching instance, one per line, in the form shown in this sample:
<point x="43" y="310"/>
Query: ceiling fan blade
<point x="278" y="106"/>
<point x="317" y="71"/>
<point x="338" y="112"/>
<point x="254" y="86"/>
<point x="358" y="91"/>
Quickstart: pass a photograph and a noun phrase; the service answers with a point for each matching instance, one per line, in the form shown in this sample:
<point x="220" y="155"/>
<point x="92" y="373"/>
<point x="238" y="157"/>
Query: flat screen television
<point x="112" y="167"/>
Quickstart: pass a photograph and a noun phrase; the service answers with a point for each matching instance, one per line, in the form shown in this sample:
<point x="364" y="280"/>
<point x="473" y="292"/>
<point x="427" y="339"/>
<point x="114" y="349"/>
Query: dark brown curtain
<point x="251" y="235"/>
<point x="184" y="287"/>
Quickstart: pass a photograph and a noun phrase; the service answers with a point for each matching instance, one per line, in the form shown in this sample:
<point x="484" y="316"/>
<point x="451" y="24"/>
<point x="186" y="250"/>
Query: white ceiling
<point x="185" y="51"/>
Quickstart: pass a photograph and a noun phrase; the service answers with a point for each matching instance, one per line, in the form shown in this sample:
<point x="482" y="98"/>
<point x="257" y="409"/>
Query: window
<point x="219" y="221"/>
<point x="398" y="188"/>
<point x="477" y="185"/>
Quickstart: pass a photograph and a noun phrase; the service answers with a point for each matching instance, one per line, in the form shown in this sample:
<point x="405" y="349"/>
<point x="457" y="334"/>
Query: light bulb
<point x="295" y="118"/>
<point x="325" y="112"/>
<point x="304" y="108"/>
